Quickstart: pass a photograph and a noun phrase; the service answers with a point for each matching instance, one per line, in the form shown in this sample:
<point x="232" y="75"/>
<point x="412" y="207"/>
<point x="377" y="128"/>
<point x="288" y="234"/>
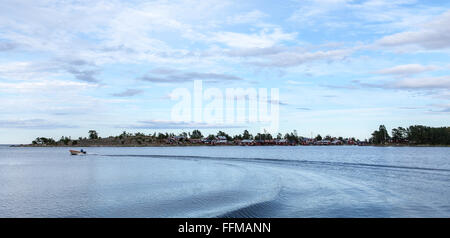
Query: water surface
<point x="332" y="181"/>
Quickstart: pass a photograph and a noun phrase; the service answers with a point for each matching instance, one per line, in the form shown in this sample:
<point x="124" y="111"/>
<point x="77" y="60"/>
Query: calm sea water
<point x="340" y="181"/>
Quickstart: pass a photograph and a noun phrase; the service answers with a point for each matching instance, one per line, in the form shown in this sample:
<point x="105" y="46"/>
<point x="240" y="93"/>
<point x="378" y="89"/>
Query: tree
<point x="381" y="136"/>
<point x="279" y="136"/>
<point x="139" y="134"/>
<point x="428" y="135"/>
<point x="247" y="135"/>
<point x="183" y="134"/>
<point x="44" y="141"/>
<point x="196" y="134"/>
<point x="399" y="134"/>
<point x="65" y="140"/>
<point x="162" y="136"/>
<point x="93" y="135"/>
<point x="383" y="133"/>
<point x="237" y="137"/>
<point x="318" y="137"/>
<point x="292" y="137"/>
<point x="221" y="133"/>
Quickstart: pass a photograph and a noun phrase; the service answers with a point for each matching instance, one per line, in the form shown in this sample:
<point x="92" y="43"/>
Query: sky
<point x="342" y="67"/>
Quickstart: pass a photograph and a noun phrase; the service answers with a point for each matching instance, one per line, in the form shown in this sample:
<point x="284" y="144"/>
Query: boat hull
<point x="76" y="152"/>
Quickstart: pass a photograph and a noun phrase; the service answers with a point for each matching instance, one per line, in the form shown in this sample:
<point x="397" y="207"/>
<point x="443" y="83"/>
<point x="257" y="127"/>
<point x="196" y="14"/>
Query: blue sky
<point x="342" y="66"/>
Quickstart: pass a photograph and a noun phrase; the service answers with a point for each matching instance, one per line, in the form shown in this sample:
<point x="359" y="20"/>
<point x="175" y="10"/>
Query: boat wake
<point x="262" y="209"/>
<point x="265" y="187"/>
<point x="285" y="162"/>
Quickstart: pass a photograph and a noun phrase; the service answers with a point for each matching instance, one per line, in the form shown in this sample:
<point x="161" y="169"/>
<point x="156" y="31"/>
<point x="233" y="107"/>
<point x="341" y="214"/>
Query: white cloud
<point x="298" y="57"/>
<point x="407" y="69"/>
<point x="33" y="124"/>
<point x="44" y="86"/>
<point x="128" y="93"/>
<point x="292" y="82"/>
<point x="424" y="83"/>
<point x="43" y="70"/>
<point x="432" y="35"/>
<point x="161" y="124"/>
<point x="25" y="70"/>
<point x="167" y="75"/>
<point x="309" y="11"/>
<point x="362" y="17"/>
<point x="263" y="39"/>
<point x="254" y="16"/>
<point x="108" y="31"/>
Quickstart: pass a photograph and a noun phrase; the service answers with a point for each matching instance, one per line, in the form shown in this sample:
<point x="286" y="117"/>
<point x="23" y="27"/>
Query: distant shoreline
<point x="194" y="145"/>
<point x="413" y="136"/>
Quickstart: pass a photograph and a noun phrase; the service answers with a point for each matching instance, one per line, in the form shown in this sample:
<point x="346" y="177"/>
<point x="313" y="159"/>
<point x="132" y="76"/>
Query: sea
<point x="226" y="181"/>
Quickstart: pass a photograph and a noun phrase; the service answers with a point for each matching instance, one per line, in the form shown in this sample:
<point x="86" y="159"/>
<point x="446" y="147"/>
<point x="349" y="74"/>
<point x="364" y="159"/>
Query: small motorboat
<point x="76" y="152"/>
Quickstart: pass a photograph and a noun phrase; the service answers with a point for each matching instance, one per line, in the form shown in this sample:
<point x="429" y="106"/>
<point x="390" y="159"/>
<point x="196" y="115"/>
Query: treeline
<point x="44" y="141"/>
<point x="142" y="139"/>
<point x="64" y="139"/>
<point x="416" y="135"/>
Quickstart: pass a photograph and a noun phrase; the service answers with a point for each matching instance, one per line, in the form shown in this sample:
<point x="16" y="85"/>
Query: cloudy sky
<point x="342" y="66"/>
